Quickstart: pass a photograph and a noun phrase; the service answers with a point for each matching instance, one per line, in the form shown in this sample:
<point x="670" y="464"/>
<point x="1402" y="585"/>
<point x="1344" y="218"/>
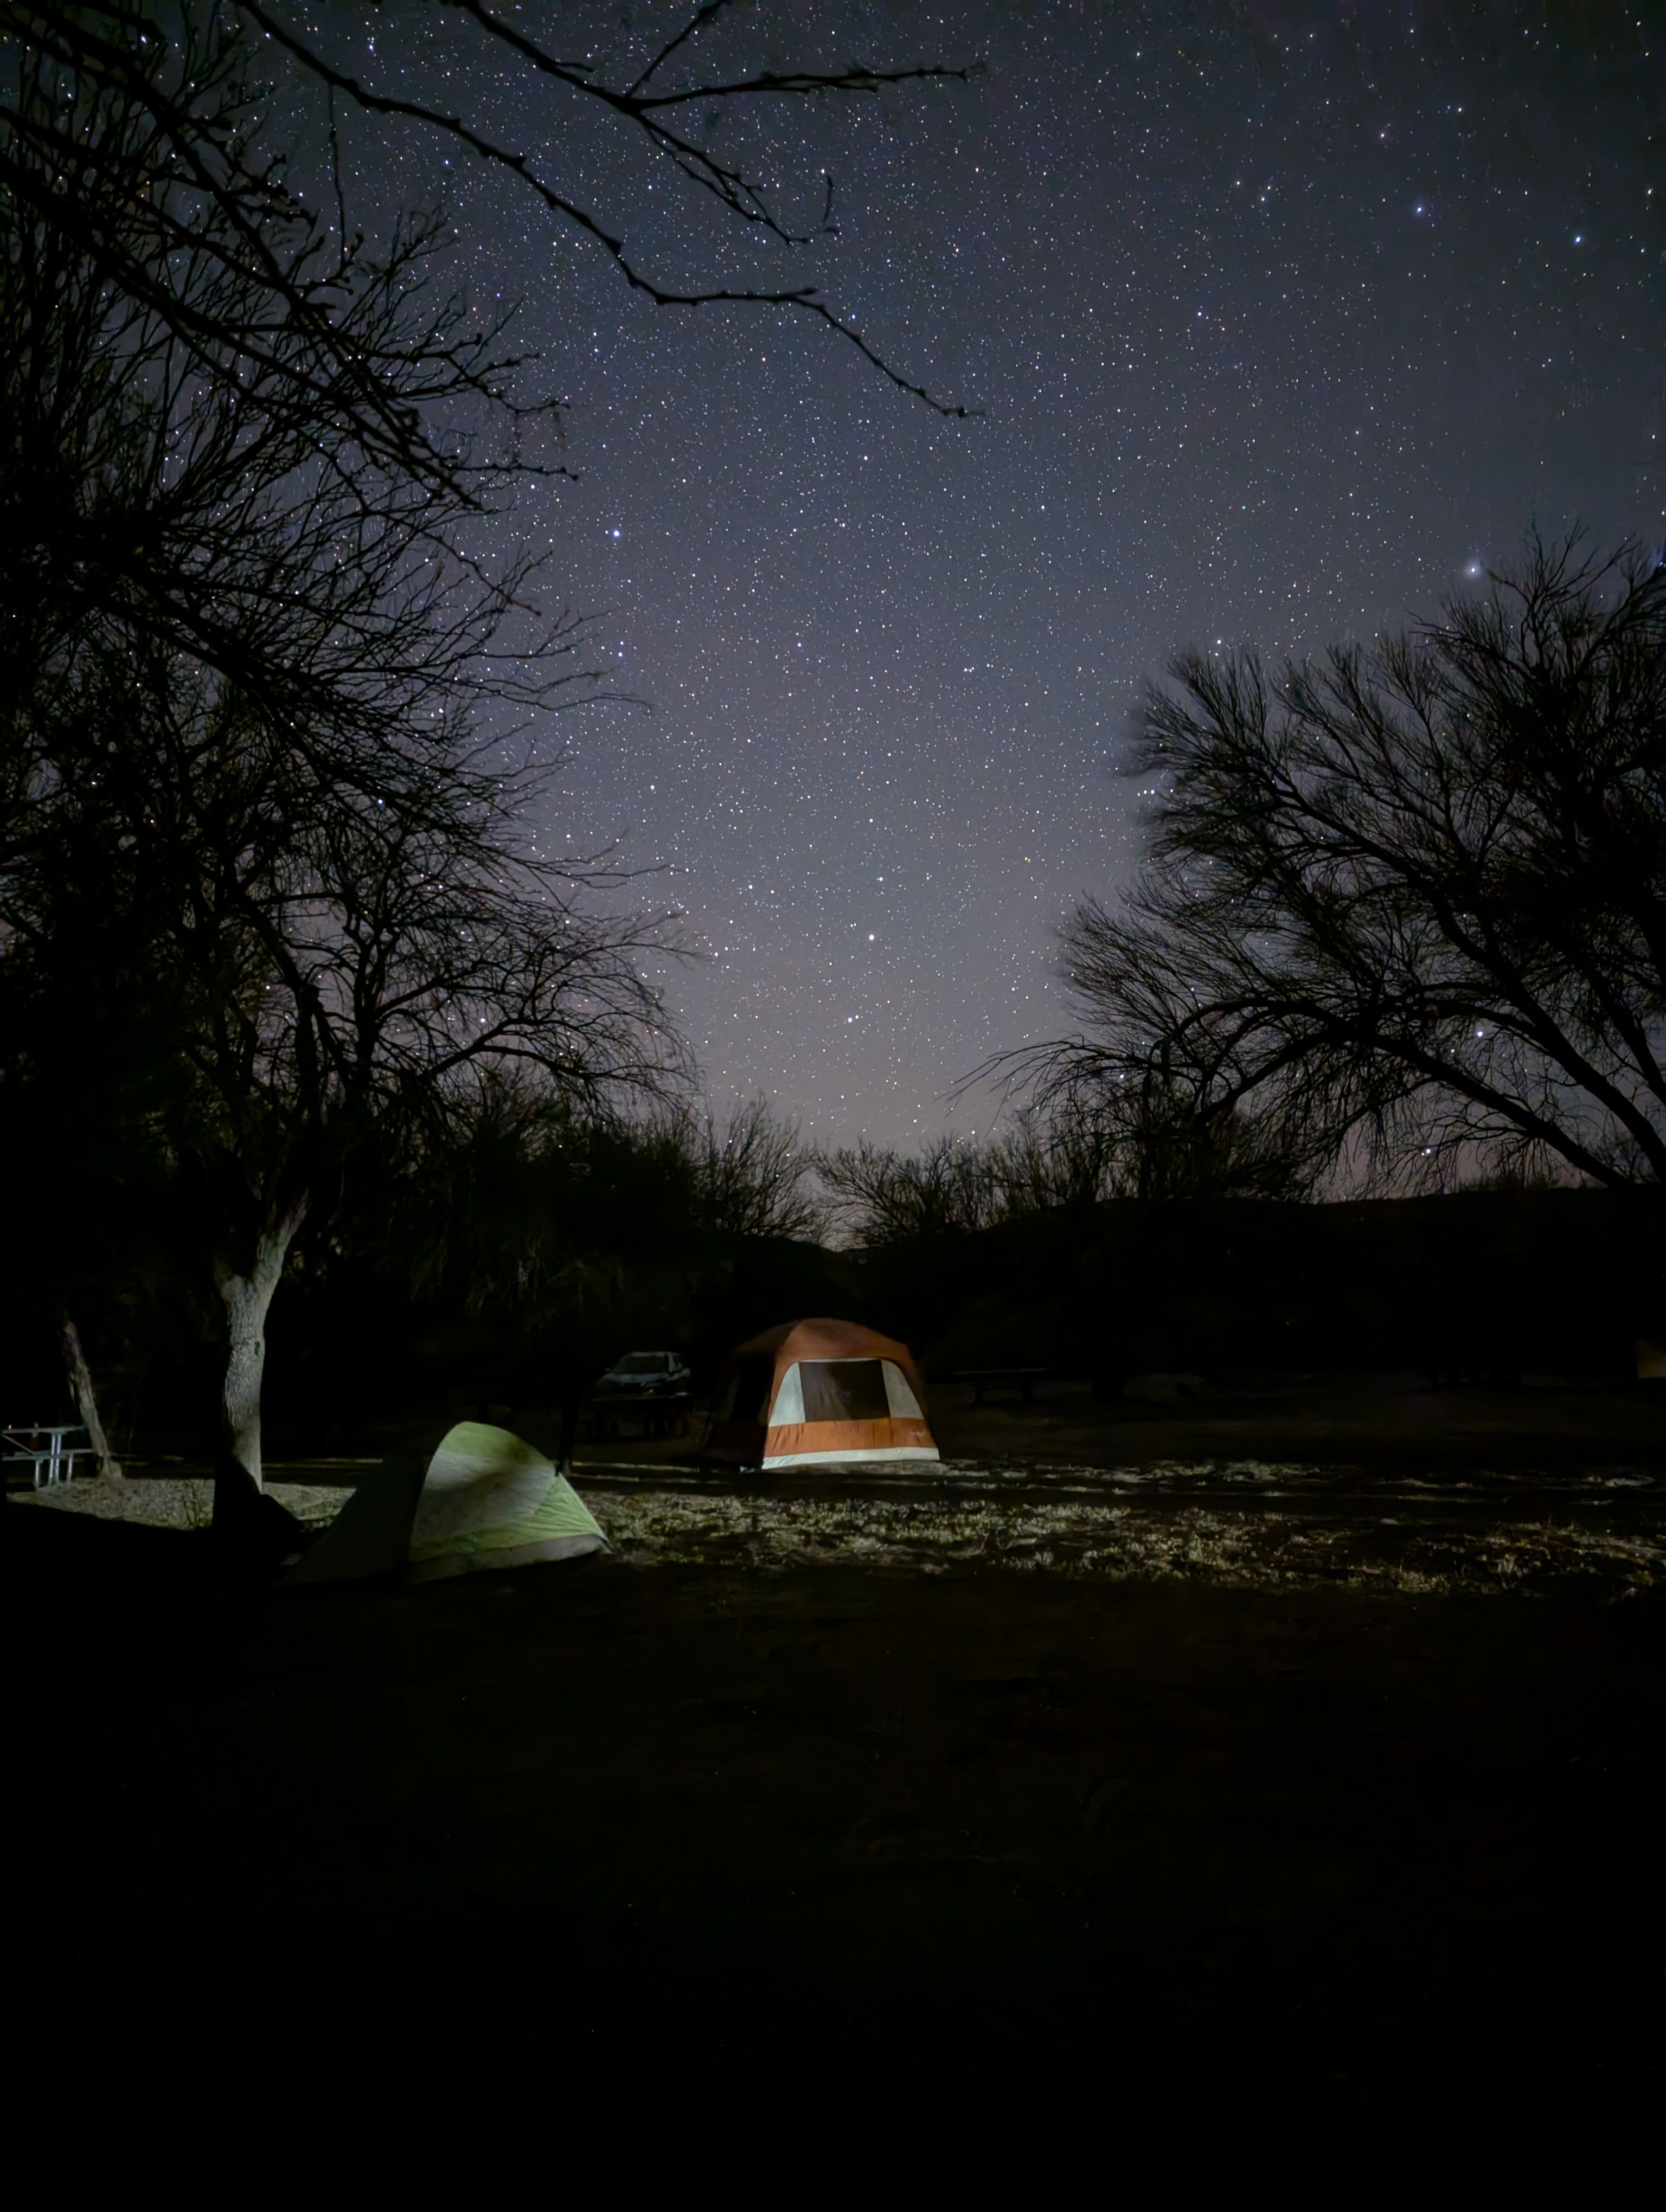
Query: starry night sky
<point x="1283" y="316"/>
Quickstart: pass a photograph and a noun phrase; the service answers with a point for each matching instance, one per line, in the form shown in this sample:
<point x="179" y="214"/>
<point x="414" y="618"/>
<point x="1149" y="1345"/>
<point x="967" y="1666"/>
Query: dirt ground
<point x="1293" y="1857"/>
<point x="1364" y="1417"/>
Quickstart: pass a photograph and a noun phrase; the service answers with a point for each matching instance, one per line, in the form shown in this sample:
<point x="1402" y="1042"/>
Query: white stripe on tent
<point x="839" y="1458"/>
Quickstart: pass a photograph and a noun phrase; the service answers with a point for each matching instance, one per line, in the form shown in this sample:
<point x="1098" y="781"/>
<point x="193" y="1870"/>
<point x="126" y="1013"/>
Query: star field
<point x="1285" y="321"/>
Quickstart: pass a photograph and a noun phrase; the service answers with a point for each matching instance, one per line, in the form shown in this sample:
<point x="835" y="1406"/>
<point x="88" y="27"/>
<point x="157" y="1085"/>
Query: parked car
<point x="642" y="1375"/>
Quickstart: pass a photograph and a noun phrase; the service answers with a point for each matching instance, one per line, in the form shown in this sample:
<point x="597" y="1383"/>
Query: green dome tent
<point x="486" y="1499"/>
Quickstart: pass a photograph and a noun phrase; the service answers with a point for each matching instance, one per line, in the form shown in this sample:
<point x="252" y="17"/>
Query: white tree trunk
<point x="81" y="1384"/>
<point x="247" y="1298"/>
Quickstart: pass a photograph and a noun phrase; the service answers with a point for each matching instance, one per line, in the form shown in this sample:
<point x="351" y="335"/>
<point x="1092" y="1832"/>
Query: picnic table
<point x="1020" y="1379"/>
<point x="657" y="1416"/>
<point x="41" y="1446"/>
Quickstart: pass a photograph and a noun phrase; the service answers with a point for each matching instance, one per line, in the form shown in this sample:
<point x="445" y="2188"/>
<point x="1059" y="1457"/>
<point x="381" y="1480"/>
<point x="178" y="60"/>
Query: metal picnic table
<point x="41" y="1445"/>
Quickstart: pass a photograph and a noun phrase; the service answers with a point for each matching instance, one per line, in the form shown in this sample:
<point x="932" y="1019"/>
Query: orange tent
<point x="811" y="1393"/>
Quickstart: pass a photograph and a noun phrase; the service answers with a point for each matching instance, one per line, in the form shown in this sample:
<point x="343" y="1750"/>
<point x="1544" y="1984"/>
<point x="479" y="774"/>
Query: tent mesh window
<point x="844" y="1390"/>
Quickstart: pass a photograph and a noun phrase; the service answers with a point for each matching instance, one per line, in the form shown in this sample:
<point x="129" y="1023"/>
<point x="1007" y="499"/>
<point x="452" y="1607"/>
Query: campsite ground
<point x="1297" y="1855"/>
<point x="1371" y="1417"/>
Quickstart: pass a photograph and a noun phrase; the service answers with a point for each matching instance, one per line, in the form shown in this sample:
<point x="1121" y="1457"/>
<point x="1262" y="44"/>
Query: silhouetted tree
<point x="182" y="76"/>
<point x="259" y="797"/>
<point x="1066" y="1158"/>
<point x="626" y="89"/>
<point x="573" y="1231"/>
<point x="86" y="1061"/>
<point x="881" y="1196"/>
<point x="179" y="471"/>
<point x="1143" y="1141"/>
<point x="198" y="369"/>
<point x="324" y="967"/>
<point x="262" y="809"/>
<point x="751" y="1174"/>
<point x="1405" y="905"/>
<point x="1159" y="1135"/>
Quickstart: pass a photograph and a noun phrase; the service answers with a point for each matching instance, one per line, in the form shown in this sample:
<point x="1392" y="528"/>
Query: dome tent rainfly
<point x="813" y="1393"/>
<point x="485" y="1500"/>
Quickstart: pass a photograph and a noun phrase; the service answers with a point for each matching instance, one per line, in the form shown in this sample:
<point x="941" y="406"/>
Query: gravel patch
<point x="1116" y="1540"/>
<point x="1256" y="1525"/>
<point x="176" y="1501"/>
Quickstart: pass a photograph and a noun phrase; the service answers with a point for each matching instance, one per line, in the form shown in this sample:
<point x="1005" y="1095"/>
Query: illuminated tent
<point x="485" y="1500"/>
<point x="819" y="1393"/>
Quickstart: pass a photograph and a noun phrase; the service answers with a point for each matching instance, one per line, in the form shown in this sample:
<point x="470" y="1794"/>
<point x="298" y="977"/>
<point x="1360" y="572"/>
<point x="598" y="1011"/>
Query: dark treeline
<point x="510" y="1281"/>
<point x="507" y="1268"/>
<point x="1103" y="1249"/>
<point x="1483" y="1284"/>
<point x="1143" y="1141"/>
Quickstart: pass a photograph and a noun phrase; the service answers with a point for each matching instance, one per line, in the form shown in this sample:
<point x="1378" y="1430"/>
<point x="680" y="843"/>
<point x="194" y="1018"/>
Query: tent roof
<point x="487" y="1499"/>
<point x="826" y="1339"/>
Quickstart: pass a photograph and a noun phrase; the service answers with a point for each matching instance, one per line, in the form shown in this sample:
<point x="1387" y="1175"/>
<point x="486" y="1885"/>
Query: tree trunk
<point x="247" y="1298"/>
<point x="571" y="1408"/>
<point x="87" y="1405"/>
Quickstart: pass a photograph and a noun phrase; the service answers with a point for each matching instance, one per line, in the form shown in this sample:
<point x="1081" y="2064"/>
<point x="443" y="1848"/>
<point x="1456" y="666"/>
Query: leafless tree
<point x="261" y="780"/>
<point x="1406" y="908"/>
<point x="179" y="473"/>
<point x="198" y="369"/>
<point x="1078" y="1149"/>
<point x="1066" y="1158"/>
<point x="520" y="1202"/>
<point x="182" y="74"/>
<point x="671" y="122"/>
<point x="328" y="969"/>
<point x="881" y="1196"/>
<point x="752" y="1174"/>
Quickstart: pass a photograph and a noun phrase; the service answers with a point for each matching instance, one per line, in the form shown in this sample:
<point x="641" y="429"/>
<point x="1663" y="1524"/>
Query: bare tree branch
<point x="702" y="167"/>
<point x="1413" y="901"/>
<point x="205" y="139"/>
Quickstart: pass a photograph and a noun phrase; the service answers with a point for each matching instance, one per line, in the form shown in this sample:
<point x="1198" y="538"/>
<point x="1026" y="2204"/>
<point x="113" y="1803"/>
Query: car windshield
<point x="643" y="1363"/>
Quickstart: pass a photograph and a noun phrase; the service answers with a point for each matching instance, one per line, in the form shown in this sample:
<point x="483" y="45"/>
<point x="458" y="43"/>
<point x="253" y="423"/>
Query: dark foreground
<point x="1289" y="1859"/>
